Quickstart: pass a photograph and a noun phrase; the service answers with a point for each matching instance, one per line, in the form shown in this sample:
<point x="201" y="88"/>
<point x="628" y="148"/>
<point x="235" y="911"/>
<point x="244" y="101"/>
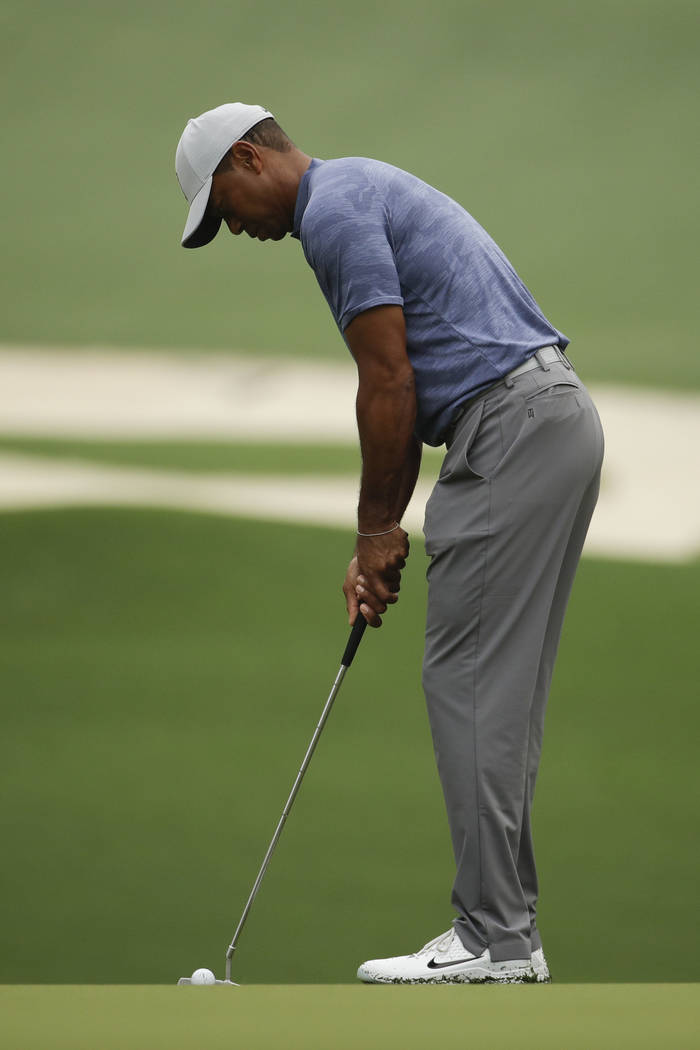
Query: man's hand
<point x="373" y="579"/>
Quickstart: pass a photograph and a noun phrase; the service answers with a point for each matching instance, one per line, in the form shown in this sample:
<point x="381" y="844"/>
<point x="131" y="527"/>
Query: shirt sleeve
<point x="347" y="242"/>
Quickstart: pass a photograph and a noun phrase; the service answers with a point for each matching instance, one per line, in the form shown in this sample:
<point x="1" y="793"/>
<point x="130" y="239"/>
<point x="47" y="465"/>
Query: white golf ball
<point x="203" y="976"/>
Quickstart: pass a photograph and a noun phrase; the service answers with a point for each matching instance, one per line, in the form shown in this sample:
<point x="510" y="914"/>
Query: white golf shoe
<point x="445" y="960"/>
<point x="539" y="965"/>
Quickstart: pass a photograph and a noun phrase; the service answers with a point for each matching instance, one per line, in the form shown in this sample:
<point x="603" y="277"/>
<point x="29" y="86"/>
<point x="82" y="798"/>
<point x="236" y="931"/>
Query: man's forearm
<point x="390" y="453"/>
<point x="410" y="476"/>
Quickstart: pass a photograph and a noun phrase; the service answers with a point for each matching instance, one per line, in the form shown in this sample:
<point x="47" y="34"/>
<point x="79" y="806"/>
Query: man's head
<point x="235" y="164"/>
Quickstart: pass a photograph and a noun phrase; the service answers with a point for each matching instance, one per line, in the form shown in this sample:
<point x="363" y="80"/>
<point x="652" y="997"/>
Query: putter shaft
<point x="350" y="650"/>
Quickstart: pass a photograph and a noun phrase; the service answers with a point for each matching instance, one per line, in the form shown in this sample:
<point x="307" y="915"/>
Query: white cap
<point x="202" y="145"/>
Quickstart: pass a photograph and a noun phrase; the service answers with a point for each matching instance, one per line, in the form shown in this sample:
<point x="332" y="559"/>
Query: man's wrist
<point x="373" y="519"/>
<point x="379" y="532"/>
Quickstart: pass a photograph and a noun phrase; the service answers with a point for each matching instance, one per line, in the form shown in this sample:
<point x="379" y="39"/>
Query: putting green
<point x="162" y="674"/>
<point x="306" y="1017"/>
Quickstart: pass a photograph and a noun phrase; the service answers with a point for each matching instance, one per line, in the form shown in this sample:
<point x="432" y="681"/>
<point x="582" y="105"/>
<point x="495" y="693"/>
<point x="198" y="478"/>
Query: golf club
<point x="206" y="976"/>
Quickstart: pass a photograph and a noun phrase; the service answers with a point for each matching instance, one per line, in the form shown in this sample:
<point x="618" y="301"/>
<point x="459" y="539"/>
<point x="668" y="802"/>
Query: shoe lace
<point x="438" y="944"/>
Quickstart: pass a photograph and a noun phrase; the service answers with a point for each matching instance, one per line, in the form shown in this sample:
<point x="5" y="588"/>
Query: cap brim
<point x="200" y="228"/>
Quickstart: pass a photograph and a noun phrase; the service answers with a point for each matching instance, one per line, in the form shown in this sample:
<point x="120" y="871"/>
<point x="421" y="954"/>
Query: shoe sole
<point x="480" y="976"/>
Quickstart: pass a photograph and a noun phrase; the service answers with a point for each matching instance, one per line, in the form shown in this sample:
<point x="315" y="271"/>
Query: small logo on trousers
<point x="531" y="413"/>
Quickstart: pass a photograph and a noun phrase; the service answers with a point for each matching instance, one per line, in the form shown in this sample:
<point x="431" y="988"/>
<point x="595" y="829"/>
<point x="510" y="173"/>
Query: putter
<point x="350" y="650"/>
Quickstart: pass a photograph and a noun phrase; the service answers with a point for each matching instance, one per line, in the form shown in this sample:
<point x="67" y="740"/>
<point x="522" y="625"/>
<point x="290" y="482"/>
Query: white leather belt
<point x="547" y="355"/>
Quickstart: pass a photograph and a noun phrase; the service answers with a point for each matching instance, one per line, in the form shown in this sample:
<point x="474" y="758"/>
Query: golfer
<point x="451" y="349"/>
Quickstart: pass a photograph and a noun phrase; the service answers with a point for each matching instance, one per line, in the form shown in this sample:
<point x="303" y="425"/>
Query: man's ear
<point x="246" y="156"/>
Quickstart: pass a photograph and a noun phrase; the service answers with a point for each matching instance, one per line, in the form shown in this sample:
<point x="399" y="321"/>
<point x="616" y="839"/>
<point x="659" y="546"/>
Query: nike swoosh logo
<point x="432" y="965"/>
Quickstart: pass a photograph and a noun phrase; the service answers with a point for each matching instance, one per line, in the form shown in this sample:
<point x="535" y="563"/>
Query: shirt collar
<point x="303" y="194"/>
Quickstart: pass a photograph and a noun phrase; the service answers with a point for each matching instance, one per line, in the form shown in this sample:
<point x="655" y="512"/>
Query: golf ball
<point x="203" y="976"/>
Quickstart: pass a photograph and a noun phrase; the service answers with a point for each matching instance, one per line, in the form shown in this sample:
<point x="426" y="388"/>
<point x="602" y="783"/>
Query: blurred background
<point x="178" y="471"/>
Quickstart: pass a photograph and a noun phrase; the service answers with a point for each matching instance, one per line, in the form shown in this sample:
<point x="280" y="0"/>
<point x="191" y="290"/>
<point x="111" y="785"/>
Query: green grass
<point x="162" y="674"/>
<point x="622" y="1017"/>
<point x="197" y="456"/>
<point x="204" y="456"/>
<point x="567" y="129"/>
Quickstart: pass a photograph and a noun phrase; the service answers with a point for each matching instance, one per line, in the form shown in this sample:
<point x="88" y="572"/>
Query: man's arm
<point x="410" y="476"/>
<point x="386" y="413"/>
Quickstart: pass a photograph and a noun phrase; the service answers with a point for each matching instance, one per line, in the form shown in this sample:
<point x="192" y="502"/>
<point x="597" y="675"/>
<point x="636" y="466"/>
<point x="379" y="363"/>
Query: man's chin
<point x="267" y="235"/>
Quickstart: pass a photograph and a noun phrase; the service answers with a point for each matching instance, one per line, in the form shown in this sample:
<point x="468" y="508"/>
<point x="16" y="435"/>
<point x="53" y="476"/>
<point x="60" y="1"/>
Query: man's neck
<point x="296" y="164"/>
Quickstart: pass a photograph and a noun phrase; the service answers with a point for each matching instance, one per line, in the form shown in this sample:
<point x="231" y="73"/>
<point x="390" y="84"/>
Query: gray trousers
<point x="504" y="529"/>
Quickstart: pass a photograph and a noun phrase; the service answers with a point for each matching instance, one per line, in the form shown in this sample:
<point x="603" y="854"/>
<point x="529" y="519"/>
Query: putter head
<point x="188" y="980"/>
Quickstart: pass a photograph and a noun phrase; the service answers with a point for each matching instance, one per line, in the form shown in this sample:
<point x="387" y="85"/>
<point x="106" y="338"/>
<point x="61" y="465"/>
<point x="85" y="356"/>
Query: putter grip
<point x="354" y="640"/>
